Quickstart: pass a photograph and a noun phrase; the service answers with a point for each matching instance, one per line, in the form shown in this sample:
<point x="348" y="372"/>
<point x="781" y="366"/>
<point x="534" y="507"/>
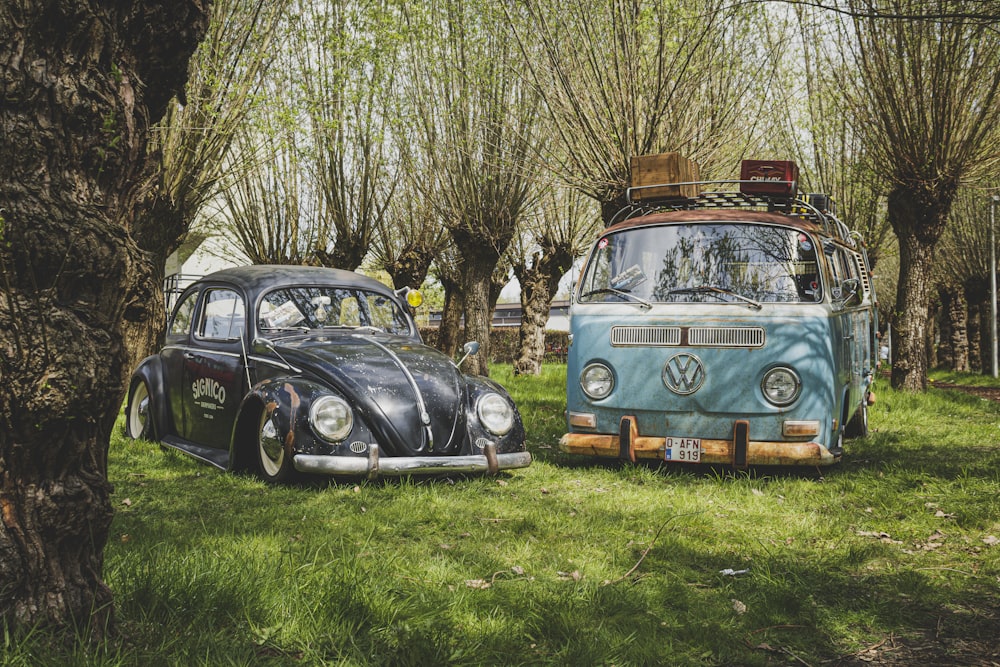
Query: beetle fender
<point x="150" y="371"/>
<point x="287" y="400"/>
<point x="513" y="441"/>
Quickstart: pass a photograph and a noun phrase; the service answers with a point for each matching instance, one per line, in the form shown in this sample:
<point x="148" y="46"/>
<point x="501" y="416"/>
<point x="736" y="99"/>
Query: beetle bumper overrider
<point x="374" y="466"/>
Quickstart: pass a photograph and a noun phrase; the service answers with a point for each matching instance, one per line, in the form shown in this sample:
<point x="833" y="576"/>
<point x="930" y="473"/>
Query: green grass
<point x="569" y="562"/>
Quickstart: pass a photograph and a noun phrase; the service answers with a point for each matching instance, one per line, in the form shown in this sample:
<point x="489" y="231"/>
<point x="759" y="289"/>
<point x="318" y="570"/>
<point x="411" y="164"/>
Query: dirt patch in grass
<point x="990" y="393"/>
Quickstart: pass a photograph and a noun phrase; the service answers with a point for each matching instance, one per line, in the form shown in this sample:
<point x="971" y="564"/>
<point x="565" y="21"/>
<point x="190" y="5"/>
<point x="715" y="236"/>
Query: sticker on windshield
<point x="628" y="278"/>
<point x="285" y="315"/>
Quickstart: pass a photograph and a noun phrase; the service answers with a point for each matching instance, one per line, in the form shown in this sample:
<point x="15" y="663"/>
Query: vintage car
<point x="727" y="326"/>
<point x="289" y="371"/>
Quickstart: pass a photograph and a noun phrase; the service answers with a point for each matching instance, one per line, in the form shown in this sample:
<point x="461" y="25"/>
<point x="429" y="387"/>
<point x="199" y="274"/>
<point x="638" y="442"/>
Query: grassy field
<point x="890" y="556"/>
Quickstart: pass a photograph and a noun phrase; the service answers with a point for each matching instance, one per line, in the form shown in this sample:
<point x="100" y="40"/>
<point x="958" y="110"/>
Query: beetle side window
<point x="180" y="325"/>
<point x="222" y="317"/>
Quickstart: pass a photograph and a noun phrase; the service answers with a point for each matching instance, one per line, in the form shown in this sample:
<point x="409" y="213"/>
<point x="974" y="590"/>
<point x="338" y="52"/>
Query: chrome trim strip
<point x="425" y="417"/>
<point x="202" y="350"/>
<point x="205" y="350"/>
<point x="272" y="362"/>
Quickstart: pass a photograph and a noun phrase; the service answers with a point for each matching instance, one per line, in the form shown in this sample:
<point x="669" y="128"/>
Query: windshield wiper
<point x="626" y="295"/>
<point x="299" y="328"/>
<point x="717" y="291"/>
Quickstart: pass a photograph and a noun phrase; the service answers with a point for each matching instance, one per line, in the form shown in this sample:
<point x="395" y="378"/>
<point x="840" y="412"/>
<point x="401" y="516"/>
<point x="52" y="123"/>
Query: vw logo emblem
<point x="684" y="374"/>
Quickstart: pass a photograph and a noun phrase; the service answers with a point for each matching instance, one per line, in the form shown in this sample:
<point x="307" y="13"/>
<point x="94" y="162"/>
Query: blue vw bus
<point x="729" y="327"/>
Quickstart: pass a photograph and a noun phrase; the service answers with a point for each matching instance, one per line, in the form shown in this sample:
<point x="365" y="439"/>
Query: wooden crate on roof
<point x="656" y="176"/>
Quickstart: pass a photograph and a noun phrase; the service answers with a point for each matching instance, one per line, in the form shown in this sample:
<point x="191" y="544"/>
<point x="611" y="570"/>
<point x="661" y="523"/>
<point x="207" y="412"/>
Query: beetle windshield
<point x="309" y="307"/>
<point x="703" y="263"/>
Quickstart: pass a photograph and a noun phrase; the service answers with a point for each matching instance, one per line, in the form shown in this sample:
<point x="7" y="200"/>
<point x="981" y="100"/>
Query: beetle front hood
<point x="412" y="396"/>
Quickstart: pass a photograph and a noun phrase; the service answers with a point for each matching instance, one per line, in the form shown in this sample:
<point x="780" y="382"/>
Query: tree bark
<point x="476" y="284"/>
<point x="985" y="339"/>
<point x="932" y="334"/>
<point x="956" y="313"/>
<point x="451" y="319"/>
<point x="975" y="339"/>
<point x="909" y="367"/>
<point x="918" y="214"/>
<point x="410" y="267"/>
<point x="81" y="83"/>
<point x="539" y="282"/>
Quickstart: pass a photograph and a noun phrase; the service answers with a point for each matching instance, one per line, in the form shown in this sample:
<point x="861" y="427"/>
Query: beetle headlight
<point x="781" y="386"/>
<point x="495" y="413"/>
<point x="597" y="381"/>
<point x="331" y="418"/>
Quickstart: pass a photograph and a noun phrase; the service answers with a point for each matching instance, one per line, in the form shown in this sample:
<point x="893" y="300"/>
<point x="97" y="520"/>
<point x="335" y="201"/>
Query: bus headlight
<point x="781" y="386"/>
<point x="597" y="381"/>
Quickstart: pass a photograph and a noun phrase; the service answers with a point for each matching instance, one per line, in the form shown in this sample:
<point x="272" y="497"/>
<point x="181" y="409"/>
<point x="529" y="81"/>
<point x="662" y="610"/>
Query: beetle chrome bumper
<point x="374" y="466"/>
<point x="712" y="451"/>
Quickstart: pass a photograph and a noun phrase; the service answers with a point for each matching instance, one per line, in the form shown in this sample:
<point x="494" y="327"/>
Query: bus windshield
<point x="703" y="263"/>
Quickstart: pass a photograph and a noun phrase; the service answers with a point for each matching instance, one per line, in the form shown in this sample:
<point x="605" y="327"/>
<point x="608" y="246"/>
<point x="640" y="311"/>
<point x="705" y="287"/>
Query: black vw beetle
<point x="287" y="370"/>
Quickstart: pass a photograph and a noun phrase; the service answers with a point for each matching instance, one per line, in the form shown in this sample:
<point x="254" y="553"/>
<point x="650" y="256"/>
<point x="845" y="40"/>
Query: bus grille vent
<point x="652" y="336"/>
<point x="726" y="336"/>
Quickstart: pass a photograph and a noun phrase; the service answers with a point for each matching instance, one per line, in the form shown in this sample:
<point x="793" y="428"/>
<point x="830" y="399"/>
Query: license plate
<point x="687" y="450"/>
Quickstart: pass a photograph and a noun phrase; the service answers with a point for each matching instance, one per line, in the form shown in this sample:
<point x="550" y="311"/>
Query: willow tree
<point x="817" y="129"/>
<point x="191" y="144"/>
<point x="962" y="277"/>
<point x="559" y="233"/>
<point x="410" y="235"/>
<point x="81" y="83"/>
<point x="926" y="97"/>
<point x="347" y="63"/>
<point x="475" y="122"/>
<point x="269" y="208"/>
<point x="621" y="78"/>
<point x="320" y="152"/>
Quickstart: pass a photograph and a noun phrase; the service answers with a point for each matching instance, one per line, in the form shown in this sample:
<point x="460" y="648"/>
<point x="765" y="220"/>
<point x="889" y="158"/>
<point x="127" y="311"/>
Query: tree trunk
<point x="409" y="268"/>
<point x="975" y="338"/>
<point x="347" y="254"/>
<point x="955" y="311"/>
<point x="81" y="82"/>
<point x="918" y="215"/>
<point x="612" y="205"/>
<point x="451" y="319"/>
<point x="985" y="339"/>
<point x="944" y="352"/>
<point x="539" y="283"/>
<point x="476" y="284"/>
<point x="932" y="335"/>
<point x="909" y="367"/>
<point x="534" y="314"/>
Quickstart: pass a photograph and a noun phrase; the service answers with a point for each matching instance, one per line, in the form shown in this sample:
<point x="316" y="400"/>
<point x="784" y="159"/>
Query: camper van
<point x="728" y="322"/>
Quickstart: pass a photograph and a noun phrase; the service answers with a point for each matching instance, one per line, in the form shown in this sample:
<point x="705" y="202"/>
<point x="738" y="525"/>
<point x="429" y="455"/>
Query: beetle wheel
<point x="138" y="420"/>
<point x="273" y="462"/>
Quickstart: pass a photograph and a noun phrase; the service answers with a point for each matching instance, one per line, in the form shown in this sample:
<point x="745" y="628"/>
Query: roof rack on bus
<point x="770" y="185"/>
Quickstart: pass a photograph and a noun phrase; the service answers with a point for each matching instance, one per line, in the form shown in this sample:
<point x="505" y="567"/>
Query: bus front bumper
<point x="739" y="452"/>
